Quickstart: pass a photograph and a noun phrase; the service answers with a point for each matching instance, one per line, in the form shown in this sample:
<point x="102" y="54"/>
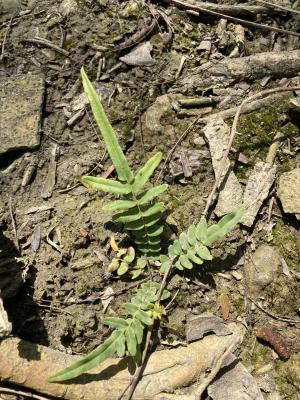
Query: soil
<point x="59" y="303"/>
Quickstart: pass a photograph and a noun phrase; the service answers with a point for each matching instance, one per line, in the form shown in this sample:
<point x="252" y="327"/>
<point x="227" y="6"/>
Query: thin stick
<point x="214" y="371"/>
<point x="284" y="319"/>
<point x="230" y="18"/>
<point x="220" y="176"/>
<point x="13" y="223"/>
<point x="4" y="39"/>
<point x="21" y="393"/>
<point x="181" y="138"/>
<point x="138" y="373"/>
<point x="267" y="3"/>
<point x="46" y="43"/>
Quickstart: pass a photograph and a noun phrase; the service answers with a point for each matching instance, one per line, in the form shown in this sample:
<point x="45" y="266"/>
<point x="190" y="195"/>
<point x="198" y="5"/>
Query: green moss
<point x="287" y="239"/>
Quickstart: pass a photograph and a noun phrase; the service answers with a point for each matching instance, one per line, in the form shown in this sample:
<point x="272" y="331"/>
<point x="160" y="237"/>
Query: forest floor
<point x="163" y="68"/>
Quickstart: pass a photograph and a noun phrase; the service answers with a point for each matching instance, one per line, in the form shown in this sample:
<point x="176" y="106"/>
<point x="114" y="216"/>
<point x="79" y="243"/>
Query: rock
<point x="68" y="7"/>
<point x="5" y="325"/>
<point x="9" y="6"/>
<point x="22" y="99"/>
<point x="217" y="133"/>
<point x="289" y="191"/>
<point x="262" y="269"/>
<point x="258" y="186"/>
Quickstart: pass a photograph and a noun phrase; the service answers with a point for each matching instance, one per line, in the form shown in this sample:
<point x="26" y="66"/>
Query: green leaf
<point x="120" y="346"/>
<point x="131" y="340"/>
<point x="138" y="330"/>
<point x="145" y="172"/>
<point x="141" y="263"/>
<point x="185" y="262"/>
<point x="203" y="252"/>
<point x="123" y="268"/>
<point x="153" y="210"/>
<point x="175" y="248"/>
<point x="178" y="265"/>
<point x="131" y="308"/>
<point x="191" y="235"/>
<point x="149" y="194"/>
<point x="108" y="134"/>
<point x="136" y="273"/>
<point x="201" y="230"/>
<point x="144" y="317"/>
<point x="183" y="240"/>
<point x="192" y="256"/>
<point x="130" y="255"/>
<point x="107" y="185"/>
<point x="119" y="205"/>
<point x="113" y="265"/>
<point x="142" y="223"/>
<point x="131" y="215"/>
<point x="155" y="230"/>
<point x="225" y="225"/>
<point x="93" y="359"/>
<point x="115" y="322"/>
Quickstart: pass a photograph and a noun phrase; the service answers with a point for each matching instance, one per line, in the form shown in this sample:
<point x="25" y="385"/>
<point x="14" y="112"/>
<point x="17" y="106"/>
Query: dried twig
<point x="140" y="369"/>
<point x="193" y="7"/>
<point x="181" y="138"/>
<point x="273" y="5"/>
<point x="29" y="395"/>
<point x="13" y="223"/>
<point x="278" y="318"/>
<point x="46" y="43"/>
<point x="219" y="176"/>
<point x="4" y="39"/>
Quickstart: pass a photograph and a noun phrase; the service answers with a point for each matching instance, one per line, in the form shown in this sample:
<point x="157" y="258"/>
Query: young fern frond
<point x="135" y="210"/>
<point x="191" y="247"/>
<point x="128" y="332"/>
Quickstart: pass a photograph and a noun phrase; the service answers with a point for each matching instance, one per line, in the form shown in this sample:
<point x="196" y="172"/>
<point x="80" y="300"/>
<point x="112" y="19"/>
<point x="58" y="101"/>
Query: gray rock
<point x="262" y="269"/>
<point x="21" y="104"/>
<point x="289" y="191"/>
<point x="9" y="6"/>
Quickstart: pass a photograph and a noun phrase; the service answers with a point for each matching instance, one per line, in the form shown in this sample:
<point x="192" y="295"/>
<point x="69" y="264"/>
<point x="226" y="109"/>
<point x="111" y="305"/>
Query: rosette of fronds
<point x="140" y="215"/>
<point x="127" y="334"/>
<point x="191" y="247"/>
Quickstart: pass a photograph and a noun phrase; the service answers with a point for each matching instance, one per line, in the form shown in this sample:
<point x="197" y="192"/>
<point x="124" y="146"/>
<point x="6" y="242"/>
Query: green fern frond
<point x="191" y="247"/>
<point x="136" y="210"/>
<point x="128" y="332"/>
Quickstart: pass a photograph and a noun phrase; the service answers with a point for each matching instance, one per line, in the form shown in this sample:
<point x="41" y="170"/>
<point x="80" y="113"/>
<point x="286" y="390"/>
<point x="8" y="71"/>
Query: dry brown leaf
<point x="224" y="303"/>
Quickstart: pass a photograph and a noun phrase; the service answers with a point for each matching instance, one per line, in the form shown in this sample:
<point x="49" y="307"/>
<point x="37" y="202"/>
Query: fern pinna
<point x="128" y="332"/>
<point x="136" y="210"/>
<point x="191" y="247"/>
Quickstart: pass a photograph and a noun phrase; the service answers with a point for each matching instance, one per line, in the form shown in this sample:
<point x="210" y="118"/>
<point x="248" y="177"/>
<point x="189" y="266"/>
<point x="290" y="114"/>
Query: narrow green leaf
<point x="155" y="231"/>
<point x="120" y="346"/>
<point x="149" y="194"/>
<point x="149" y="249"/>
<point x="131" y="215"/>
<point x="110" y="138"/>
<point x="183" y="240"/>
<point x="191" y="235"/>
<point x="143" y="175"/>
<point x="192" y="256"/>
<point x="115" y="322"/>
<point x="144" y="317"/>
<point x="185" y="262"/>
<point x="153" y="210"/>
<point x="123" y="268"/>
<point x="119" y="205"/>
<point x="147" y="240"/>
<point x="225" y="225"/>
<point x="178" y="265"/>
<point x="138" y="330"/>
<point x="131" y="341"/>
<point x="203" y="252"/>
<point x="93" y="359"/>
<point x="136" y="273"/>
<point x="201" y="230"/>
<point x="142" y="223"/>
<point x="107" y="185"/>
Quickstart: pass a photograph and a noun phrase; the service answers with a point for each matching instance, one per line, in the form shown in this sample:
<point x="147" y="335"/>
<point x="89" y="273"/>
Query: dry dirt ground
<point x="55" y="227"/>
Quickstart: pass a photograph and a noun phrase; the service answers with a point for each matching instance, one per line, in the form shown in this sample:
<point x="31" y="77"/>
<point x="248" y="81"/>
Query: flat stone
<point x="289" y="191"/>
<point x="21" y="105"/>
<point x="262" y="269"/>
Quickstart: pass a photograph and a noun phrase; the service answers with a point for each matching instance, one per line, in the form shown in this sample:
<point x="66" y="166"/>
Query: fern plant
<point x="136" y="210"/>
<point x="127" y="334"/>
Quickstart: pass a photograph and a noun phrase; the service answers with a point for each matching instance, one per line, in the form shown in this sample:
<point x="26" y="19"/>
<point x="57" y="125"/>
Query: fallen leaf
<point x="140" y="55"/>
<point x="225" y="305"/>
